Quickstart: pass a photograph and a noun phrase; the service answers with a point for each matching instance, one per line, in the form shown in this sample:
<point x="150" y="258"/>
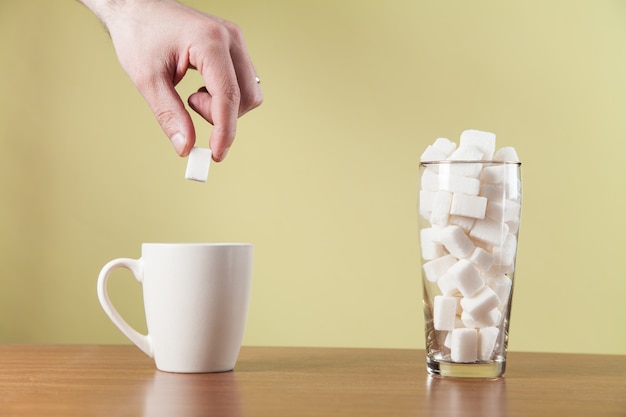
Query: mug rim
<point x="206" y="244"/>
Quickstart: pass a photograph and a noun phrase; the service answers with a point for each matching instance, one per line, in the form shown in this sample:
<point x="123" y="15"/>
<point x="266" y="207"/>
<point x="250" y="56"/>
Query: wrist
<point x="108" y="10"/>
<point x="104" y="9"/>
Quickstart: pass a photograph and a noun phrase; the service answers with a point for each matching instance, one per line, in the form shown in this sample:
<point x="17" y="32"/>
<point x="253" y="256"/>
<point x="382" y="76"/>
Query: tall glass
<point x="469" y="218"/>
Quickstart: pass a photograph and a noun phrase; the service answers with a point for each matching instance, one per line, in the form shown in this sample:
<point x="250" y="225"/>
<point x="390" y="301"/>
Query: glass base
<point x="494" y="369"/>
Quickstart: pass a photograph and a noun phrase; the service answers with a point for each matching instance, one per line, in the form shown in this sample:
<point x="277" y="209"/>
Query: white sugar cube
<point x="447" y="285"/>
<point x="441" y="208"/>
<point x="459" y="309"/>
<point x="444" y="312"/>
<point x="432" y="251"/>
<point x="464" y="345"/>
<point x="487" y="338"/>
<point x="511" y="190"/>
<point x="501" y="285"/>
<point x="469" y="321"/>
<point x="501" y="181"/>
<point x="513" y="225"/>
<point x="467" y="278"/>
<point x="437" y="267"/>
<point x="482" y="259"/>
<point x="456" y="241"/>
<point x="459" y="184"/>
<point x="490" y="318"/>
<point x="432" y="154"/>
<point x="468" y="206"/>
<point x="489" y="231"/>
<point x="464" y="169"/>
<point x="504" y="255"/>
<point x="499" y="174"/>
<point x="198" y="164"/>
<point x="501" y="269"/>
<point x="465" y="223"/>
<point x="495" y="192"/>
<point x="445" y="145"/>
<point x="431" y="234"/>
<point x="427" y="199"/>
<point x="507" y="154"/>
<point x="430" y="180"/>
<point x="512" y="211"/>
<point x="481" y="302"/>
<point x="430" y="243"/>
<point x="485" y="141"/>
<point x="503" y="211"/>
<point x="467" y="153"/>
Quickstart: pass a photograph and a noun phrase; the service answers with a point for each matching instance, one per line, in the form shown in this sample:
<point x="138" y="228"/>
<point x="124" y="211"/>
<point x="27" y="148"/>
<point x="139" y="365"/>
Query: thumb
<point x="170" y="112"/>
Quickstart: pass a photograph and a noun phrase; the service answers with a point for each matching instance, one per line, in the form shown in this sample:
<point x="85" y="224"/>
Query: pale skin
<point x="158" y="41"/>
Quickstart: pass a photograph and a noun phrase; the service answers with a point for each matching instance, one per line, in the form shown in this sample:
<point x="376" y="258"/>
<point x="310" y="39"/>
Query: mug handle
<point x="143" y="342"/>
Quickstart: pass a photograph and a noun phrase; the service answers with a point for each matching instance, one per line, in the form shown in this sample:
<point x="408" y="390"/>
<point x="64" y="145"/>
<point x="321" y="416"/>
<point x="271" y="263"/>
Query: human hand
<point x="158" y="41"/>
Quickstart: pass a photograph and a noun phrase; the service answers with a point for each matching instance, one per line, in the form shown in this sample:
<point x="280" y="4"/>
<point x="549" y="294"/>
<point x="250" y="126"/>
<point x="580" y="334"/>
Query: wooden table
<point x="88" y="380"/>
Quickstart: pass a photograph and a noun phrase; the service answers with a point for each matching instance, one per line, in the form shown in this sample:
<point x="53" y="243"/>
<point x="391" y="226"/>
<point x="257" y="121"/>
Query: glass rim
<point x="469" y="161"/>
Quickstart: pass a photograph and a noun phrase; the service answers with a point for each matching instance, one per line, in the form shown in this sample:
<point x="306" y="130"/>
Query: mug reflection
<point x="191" y="395"/>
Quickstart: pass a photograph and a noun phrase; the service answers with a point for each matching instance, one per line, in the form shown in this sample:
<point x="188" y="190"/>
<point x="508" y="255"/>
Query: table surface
<point x="105" y="380"/>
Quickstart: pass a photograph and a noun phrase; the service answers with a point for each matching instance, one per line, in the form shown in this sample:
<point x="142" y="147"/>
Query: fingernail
<point x="222" y="155"/>
<point x="179" y="143"/>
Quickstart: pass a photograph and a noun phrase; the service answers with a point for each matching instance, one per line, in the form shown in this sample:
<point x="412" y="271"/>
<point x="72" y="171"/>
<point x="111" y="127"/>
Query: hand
<point x="158" y="41"/>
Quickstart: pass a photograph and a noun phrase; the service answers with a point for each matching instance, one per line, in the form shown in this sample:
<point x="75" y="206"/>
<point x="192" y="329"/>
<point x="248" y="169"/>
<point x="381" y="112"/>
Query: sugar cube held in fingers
<point x="198" y="164"/>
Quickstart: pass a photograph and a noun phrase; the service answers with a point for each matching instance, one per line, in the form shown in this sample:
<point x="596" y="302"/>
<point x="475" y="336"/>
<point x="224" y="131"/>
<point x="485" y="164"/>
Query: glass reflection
<point x="460" y="397"/>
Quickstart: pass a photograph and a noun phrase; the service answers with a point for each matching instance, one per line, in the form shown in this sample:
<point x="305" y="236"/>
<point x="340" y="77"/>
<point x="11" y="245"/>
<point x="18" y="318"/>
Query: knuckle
<point x="252" y="100"/>
<point x="232" y="93"/>
<point x="234" y="31"/>
<point x="165" y="117"/>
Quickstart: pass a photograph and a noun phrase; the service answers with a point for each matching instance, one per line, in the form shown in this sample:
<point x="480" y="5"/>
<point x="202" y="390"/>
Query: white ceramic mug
<point x="196" y="298"/>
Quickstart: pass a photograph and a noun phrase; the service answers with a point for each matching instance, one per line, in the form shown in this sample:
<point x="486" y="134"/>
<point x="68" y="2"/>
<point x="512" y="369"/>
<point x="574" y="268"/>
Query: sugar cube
<point x="501" y="285"/>
<point x="430" y="180"/>
<point x="467" y="278"/>
<point x="437" y="267"/>
<point x="482" y="259"/>
<point x="198" y="164"/>
<point x="456" y="241"/>
<point x="485" y="141"/>
<point x="487" y="338"/>
<point x="503" y="211"/>
<point x="468" y="205"/>
<point x="467" y="153"/>
<point x="504" y="255"/>
<point x="481" y="302"/>
<point x="433" y="154"/>
<point x="445" y="145"/>
<point x="513" y="225"/>
<point x="459" y="184"/>
<point x="430" y="243"/>
<point x="427" y="198"/>
<point x="444" y="312"/>
<point x="489" y="231"/>
<point x="507" y="154"/>
<point x="465" y="169"/>
<point x="447" y="285"/>
<point x="441" y="208"/>
<point x="465" y="223"/>
<point x="464" y="345"/>
<point x="490" y="318"/>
